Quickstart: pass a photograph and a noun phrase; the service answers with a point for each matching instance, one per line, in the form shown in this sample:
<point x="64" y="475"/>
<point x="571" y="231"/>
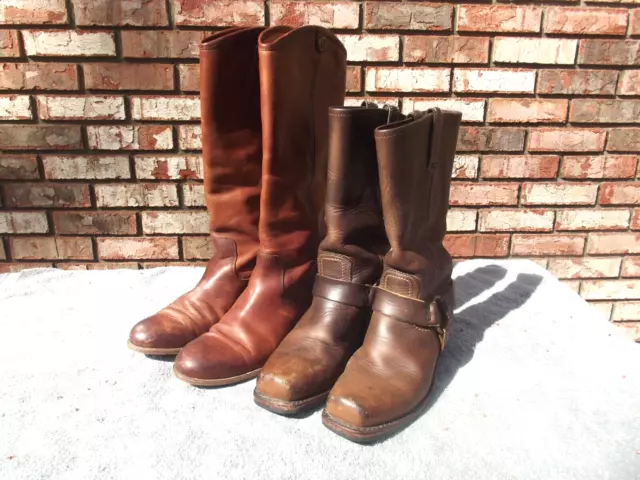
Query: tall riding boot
<point x="302" y="73"/>
<point x="310" y="359"/>
<point x="232" y="155"/>
<point x="385" y="384"/>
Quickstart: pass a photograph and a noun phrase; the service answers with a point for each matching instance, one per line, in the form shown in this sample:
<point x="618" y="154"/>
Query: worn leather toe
<point x="160" y="331"/>
<point x="347" y="410"/>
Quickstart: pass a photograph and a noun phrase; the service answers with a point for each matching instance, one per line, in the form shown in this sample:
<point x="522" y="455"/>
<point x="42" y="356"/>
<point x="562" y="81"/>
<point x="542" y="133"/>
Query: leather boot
<point x="305" y="366"/>
<point x="302" y="73"/>
<point x="232" y="156"/>
<point x="386" y="383"/>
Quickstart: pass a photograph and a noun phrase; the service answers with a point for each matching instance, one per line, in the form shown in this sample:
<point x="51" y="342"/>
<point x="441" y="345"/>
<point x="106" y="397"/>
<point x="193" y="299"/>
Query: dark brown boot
<point x="232" y="155"/>
<point x="302" y="73"/>
<point x="305" y="366"/>
<point x="386" y="383"/>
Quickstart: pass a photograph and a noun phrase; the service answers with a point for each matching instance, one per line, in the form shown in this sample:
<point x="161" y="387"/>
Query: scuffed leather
<point x="313" y="355"/>
<point x="302" y="73"/>
<point x="391" y="374"/>
<point x="232" y="155"/>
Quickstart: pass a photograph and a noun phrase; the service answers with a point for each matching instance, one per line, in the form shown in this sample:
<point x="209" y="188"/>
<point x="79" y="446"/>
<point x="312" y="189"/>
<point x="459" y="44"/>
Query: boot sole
<point x="216" y="382"/>
<point x="286" y="407"/>
<point x="376" y="432"/>
<point x="154" y="351"/>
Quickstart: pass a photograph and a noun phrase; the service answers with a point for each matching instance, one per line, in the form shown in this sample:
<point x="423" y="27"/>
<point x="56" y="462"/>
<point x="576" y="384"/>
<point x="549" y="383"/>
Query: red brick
<point x="609" y="52"/>
<point x="151" y="248"/>
<point x="516" y="220"/>
<point x="371" y="48"/>
<point x="97" y="266"/>
<point x="587" y="267"/>
<point x="219" y="13"/>
<point x="620" y="193"/>
<point x="33" y="12"/>
<point x="566" y="140"/>
<point x="559" y="193"/>
<point x="69" y="43"/>
<point x="181" y="222"/>
<point x="624" y="140"/>
<point x="15" y="107"/>
<point x="629" y="82"/>
<point x="407" y="79"/>
<point x="477" y="245"/>
<point x="130" y="137"/>
<point x="465" y="166"/>
<point x="354" y="78"/>
<point x="92" y="167"/>
<point x="38" y="76"/>
<point x="23" y="222"/>
<point x="494" y="80"/>
<point x="193" y="195"/>
<point x="610" y="289"/>
<point x="92" y="223"/>
<point x="590" y="219"/>
<point x="169" y="167"/>
<point x="472" y="109"/>
<point x="511" y="110"/>
<point x="46" y="195"/>
<point x="625" y="311"/>
<point x="602" y="166"/>
<point x="499" y="18"/>
<point x="190" y="137"/>
<point x="136" y="195"/>
<point x="51" y="248"/>
<point x="161" y="44"/>
<point x="128" y="76"/>
<point x="131" y="12"/>
<point x="466" y="193"/>
<point x="500" y="139"/>
<point x="551" y="245"/>
<point x="634" y="22"/>
<point x="577" y="82"/>
<point x="630" y="267"/>
<point x="461" y="220"/>
<point x="18" y="167"/>
<point x="604" y="110"/>
<point x="181" y="107"/>
<point x="408" y="16"/>
<point x="585" y="21"/>
<point x="147" y="265"/>
<point x="534" y="50"/>
<point x="34" y="137"/>
<point x="9" y="44"/>
<point x="197" y="248"/>
<point x="18" y="267"/>
<point x="3" y="255"/>
<point x="451" y="49"/>
<point x="635" y="219"/>
<point x="519" y="166"/>
<point x="345" y="15"/>
<point x="614" y="243"/>
<point x="53" y="107"/>
<point x="190" y="77"/>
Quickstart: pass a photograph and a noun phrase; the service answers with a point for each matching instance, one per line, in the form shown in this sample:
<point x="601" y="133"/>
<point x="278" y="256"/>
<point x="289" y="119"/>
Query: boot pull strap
<point x="436" y="136"/>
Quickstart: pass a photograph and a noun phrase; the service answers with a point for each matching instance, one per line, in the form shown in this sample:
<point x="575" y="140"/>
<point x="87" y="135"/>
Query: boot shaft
<point x="302" y="74"/>
<point x="415" y="160"/>
<point x="355" y="241"/>
<point x="232" y="141"/>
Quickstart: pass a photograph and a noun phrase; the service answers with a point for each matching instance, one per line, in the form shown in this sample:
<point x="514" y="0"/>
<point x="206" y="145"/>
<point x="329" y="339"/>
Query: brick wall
<point x="99" y="133"/>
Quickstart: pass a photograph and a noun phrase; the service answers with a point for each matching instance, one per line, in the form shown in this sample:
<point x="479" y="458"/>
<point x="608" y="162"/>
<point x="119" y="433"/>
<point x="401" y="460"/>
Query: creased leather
<point x="302" y="73"/>
<point x="391" y="374"/>
<point x="232" y="155"/>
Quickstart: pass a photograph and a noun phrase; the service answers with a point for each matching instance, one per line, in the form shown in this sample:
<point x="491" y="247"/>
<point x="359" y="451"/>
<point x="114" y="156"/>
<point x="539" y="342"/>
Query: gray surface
<point x="533" y="384"/>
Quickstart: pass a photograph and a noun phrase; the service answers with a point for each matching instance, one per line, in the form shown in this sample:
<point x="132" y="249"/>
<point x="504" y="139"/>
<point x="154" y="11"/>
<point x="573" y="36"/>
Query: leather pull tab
<point x="400" y="283"/>
<point x="334" y="265"/>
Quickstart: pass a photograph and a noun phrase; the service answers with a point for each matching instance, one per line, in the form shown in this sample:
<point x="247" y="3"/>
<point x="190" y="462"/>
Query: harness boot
<point x="232" y="157"/>
<point x="386" y="383"/>
<point x="305" y="366"/>
<point x="302" y="73"/>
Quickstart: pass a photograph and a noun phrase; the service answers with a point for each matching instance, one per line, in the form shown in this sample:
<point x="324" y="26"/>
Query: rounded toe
<point x="158" y="332"/>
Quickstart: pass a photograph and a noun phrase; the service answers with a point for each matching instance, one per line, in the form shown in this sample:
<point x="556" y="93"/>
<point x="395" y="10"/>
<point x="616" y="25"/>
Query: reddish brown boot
<point x="302" y="73"/>
<point x="310" y="359"/>
<point x="232" y="154"/>
<point x="386" y="383"/>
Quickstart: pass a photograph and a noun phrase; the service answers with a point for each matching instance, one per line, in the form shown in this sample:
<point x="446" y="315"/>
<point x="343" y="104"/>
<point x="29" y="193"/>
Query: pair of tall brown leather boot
<point x="265" y="94"/>
<point x="383" y="296"/>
